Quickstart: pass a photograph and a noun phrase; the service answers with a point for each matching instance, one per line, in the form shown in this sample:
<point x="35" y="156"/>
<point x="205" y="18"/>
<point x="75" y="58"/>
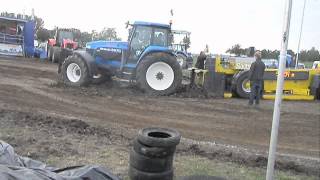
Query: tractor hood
<point x="107" y="44"/>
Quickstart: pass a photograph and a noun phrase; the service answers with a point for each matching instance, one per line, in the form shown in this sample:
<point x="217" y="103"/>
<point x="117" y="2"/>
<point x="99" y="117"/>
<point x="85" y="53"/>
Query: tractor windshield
<point x="160" y="37"/>
<point x="141" y="39"/>
<point x="144" y="36"/>
<point x="65" y="35"/>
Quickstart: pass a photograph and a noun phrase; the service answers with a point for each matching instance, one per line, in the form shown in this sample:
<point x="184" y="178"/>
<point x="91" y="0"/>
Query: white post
<point x="297" y="58"/>
<point x="278" y="99"/>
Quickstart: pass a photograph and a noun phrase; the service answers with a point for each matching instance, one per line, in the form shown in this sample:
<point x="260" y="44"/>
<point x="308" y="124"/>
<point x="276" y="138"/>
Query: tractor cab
<point x="144" y="36"/>
<point x="64" y="38"/>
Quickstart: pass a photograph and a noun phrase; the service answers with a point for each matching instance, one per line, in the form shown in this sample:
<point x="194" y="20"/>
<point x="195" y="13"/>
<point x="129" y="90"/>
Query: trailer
<point x="16" y="35"/>
<point x="228" y="77"/>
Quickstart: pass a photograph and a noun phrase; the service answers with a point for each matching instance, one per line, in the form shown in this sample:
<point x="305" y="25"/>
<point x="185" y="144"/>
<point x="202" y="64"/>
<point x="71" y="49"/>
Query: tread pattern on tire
<point x="145" y="138"/>
<point x="148" y="164"/>
<point x="157" y="152"/>
<point x="238" y="79"/>
<point x="140" y="175"/>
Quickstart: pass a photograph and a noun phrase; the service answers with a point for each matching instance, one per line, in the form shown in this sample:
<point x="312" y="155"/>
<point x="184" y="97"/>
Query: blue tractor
<point x="145" y="59"/>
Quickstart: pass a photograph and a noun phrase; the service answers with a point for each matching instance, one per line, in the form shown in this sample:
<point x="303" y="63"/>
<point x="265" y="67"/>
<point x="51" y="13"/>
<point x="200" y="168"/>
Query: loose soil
<point x="43" y="119"/>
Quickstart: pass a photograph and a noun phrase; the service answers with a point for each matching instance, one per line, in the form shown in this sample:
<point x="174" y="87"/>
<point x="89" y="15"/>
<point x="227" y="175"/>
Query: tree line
<point x="43" y="34"/>
<point x="304" y="55"/>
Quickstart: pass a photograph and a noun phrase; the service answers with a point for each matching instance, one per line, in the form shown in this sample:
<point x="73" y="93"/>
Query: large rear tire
<point x="75" y="72"/>
<point x="159" y="74"/>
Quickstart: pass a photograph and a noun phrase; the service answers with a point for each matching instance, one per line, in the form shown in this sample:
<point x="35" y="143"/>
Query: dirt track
<point x="30" y="86"/>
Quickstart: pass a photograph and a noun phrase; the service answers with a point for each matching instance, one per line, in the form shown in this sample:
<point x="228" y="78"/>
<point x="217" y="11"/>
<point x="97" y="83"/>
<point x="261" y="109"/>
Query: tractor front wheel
<point x="75" y="72"/>
<point x="159" y="74"/>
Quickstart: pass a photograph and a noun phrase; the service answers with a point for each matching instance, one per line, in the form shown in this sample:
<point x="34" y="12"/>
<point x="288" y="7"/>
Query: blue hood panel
<point x="107" y="44"/>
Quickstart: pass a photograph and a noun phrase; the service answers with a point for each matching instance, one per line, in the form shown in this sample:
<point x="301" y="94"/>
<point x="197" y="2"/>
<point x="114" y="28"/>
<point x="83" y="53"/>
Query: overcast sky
<point x="218" y="23"/>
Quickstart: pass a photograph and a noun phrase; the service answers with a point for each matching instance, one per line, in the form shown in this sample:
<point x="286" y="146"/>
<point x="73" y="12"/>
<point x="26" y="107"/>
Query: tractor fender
<point x="182" y="53"/>
<point x="155" y="49"/>
<point x="88" y="59"/>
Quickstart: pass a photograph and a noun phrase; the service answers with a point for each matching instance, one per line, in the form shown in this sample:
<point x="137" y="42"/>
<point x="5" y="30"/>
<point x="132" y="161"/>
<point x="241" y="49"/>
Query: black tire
<point x="150" y="164"/>
<point x="56" y="54"/>
<point x="159" y="137"/>
<point x="156" y="152"/>
<point x="135" y="174"/>
<point x="183" y="64"/>
<point x="50" y="52"/>
<point x="84" y="73"/>
<point x="239" y="82"/>
<point x="155" y="58"/>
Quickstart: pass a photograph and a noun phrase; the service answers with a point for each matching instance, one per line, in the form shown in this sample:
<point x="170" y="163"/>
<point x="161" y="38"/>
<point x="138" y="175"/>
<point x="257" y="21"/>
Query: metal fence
<point x="11" y="39"/>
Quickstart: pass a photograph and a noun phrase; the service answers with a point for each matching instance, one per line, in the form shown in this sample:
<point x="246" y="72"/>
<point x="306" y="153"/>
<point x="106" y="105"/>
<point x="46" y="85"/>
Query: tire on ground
<point x="159" y="137"/>
<point x="50" y="52"/>
<point x="56" y="54"/>
<point x="239" y="84"/>
<point x="140" y="175"/>
<point x="84" y="72"/>
<point x="157" y="152"/>
<point x="150" y="164"/>
<point x="147" y="62"/>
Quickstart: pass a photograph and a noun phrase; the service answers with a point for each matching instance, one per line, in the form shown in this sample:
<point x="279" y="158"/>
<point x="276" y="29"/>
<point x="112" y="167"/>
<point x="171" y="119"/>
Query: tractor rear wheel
<point x="75" y="72"/>
<point x="159" y="74"/>
<point x="242" y="84"/>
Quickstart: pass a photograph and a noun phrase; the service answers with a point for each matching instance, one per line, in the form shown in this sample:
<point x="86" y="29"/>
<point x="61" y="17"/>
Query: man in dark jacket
<point x="200" y="60"/>
<point x="256" y="78"/>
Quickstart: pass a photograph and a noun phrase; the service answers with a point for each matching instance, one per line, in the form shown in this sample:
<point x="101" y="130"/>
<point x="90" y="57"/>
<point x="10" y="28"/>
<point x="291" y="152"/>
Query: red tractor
<point x="63" y="44"/>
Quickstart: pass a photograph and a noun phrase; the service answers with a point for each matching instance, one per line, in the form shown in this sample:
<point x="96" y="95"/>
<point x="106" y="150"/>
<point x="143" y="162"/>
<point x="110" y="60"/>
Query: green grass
<point x="195" y="165"/>
<point x="117" y="160"/>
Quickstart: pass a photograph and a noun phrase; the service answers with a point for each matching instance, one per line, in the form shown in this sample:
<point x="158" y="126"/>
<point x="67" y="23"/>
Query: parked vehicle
<point x="62" y="45"/>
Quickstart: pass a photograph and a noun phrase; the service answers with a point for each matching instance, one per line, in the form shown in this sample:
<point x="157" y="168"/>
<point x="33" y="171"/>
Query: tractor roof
<point x="142" y="23"/>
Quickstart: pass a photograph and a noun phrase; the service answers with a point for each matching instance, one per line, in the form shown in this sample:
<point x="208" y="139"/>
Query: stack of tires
<point x="151" y="157"/>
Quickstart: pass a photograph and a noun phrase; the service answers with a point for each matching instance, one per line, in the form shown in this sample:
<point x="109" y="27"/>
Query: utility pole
<point x="279" y="91"/>
<point x="297" y="58"/>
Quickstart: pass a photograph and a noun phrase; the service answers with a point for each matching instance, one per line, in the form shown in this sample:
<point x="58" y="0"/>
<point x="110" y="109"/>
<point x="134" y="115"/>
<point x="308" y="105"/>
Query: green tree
<point x="237" y="50"/>
<point x="313" y="55"/>
<point x="39" y="24"/>
<point x="85" y="38"/>
<point x="43" y="34"/>
<point x="108" y="34"/>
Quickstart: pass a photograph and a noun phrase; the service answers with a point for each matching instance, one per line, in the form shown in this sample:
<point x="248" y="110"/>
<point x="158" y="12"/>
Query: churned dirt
<point x="43" y="118"/>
